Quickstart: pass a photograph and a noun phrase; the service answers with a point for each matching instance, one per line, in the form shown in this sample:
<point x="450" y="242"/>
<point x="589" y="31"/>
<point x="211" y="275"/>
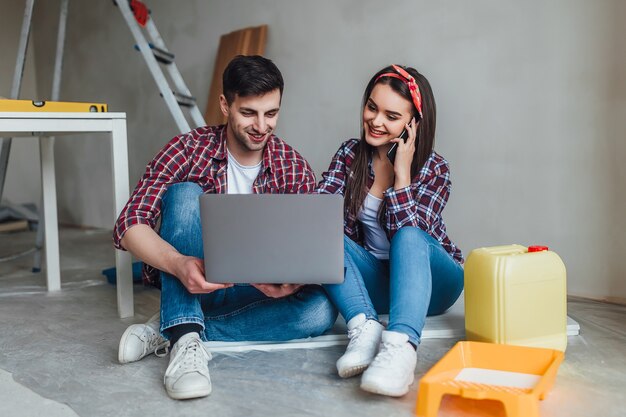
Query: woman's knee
<point x="414" y="236"/>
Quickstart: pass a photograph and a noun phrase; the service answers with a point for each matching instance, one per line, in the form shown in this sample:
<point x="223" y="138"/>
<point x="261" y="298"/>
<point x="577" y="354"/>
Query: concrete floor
<point x="58" y="356"/>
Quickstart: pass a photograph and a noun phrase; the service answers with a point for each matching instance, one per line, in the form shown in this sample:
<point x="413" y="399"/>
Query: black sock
<point x="180" y="330"/>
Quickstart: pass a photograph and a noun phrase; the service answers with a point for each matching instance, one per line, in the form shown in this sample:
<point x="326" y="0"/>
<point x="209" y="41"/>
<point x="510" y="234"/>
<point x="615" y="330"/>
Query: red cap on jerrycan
<point x="537" y="248"/>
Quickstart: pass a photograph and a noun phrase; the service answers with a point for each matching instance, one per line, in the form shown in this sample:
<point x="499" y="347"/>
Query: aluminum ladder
<point x="157" y="57"/>
<point x="46" y="145"/>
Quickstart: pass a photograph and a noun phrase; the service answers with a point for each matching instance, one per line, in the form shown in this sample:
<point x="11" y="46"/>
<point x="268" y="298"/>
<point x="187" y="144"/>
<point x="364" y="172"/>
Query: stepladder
<point x="45" y="144"/>
<point x="178" y="99"/>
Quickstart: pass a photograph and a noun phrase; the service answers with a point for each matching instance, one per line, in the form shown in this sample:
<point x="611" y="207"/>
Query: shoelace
<point x="194" y="355"/>
<point x="353" y="335"/>
<point x="155" y="342"/>
<point x="386" y="353"/>
<point x="165" y="347"/>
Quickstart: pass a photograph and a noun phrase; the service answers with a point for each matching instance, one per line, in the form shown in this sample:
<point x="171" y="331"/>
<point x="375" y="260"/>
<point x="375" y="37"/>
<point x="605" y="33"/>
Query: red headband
<point x="408" y="79"/>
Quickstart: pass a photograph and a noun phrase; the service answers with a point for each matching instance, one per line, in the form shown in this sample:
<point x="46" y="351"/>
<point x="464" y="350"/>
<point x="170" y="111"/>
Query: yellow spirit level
<point x="50" y="106"/>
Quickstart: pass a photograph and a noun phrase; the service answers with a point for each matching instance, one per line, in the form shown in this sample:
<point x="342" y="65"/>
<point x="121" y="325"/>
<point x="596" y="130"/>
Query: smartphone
<point x="391" y="154"/>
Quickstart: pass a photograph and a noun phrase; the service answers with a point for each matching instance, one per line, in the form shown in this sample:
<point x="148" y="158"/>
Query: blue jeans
<point x="238" y="313"/>
<point x="419" y="279"/>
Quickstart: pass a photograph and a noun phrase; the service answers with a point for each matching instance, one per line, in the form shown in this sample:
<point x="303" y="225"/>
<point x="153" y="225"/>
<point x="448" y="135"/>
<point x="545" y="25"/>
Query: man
<point x="242" y="156"/>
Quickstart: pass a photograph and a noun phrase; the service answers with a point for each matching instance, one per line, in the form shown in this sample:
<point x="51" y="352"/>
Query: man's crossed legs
<point x="238" y="313"/>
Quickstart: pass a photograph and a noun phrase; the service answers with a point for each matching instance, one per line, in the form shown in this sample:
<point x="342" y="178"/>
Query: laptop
<point x="273" y="238"/>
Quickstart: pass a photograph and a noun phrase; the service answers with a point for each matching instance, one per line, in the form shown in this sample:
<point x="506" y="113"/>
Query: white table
<point x="45" y="125"/>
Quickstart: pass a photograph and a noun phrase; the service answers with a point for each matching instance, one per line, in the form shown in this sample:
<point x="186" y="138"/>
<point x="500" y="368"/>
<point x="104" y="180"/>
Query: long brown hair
<point x="356" y="187"/>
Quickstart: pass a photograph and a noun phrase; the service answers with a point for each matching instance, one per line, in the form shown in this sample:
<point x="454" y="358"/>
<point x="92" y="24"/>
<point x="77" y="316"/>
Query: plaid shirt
<point x="200" y="156"/>
<point x="418" y="205"/>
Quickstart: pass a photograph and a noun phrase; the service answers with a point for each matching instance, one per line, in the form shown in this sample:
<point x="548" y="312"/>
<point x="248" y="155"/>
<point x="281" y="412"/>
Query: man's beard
<point x="248" y="144"/>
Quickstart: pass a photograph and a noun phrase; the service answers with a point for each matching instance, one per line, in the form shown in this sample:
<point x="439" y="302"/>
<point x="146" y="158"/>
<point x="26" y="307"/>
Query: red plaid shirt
<point x="418" y="205"/>
<point x="200" y="156"/>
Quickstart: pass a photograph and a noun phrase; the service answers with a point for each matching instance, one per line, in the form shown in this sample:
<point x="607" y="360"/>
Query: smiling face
<point x="385" y="115"/>
<point x="251" y="120"/>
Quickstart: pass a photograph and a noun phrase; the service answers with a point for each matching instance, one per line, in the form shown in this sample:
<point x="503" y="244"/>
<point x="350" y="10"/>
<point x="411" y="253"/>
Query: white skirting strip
<point x="450" y="325"/>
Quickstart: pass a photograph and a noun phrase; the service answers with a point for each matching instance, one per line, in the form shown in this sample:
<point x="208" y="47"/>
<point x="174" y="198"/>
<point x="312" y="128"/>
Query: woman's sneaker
<point x="364" y="337"/>
<point x="140" y="340"/>
<point x="187" y="375"/>
<point x="393" y="370"/>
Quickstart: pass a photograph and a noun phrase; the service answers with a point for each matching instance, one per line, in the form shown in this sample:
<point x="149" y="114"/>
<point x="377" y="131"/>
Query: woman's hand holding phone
<point x="391" y="153"/>
<point x="404" y="151"/>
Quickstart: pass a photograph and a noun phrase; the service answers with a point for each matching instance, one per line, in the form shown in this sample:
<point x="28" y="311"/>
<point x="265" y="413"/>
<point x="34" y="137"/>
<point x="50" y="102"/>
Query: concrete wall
<point x="531" y="99"/>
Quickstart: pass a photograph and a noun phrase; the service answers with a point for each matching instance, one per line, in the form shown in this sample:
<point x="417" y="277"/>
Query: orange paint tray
<point x="518" y="376"/>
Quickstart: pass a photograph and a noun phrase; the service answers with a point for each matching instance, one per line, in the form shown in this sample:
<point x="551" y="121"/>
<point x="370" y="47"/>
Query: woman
<point x="398" y="257"/>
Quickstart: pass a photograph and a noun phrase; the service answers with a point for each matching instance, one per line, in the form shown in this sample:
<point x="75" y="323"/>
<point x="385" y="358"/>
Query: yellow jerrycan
<point x="516" y="295"/>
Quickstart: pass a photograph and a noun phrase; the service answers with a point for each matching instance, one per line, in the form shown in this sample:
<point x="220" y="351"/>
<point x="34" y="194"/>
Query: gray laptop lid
<point x="272" y="238"/>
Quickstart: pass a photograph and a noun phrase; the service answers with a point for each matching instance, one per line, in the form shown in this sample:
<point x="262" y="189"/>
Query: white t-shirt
<point x="240" y="177"/>
<point x="376" y="241"/>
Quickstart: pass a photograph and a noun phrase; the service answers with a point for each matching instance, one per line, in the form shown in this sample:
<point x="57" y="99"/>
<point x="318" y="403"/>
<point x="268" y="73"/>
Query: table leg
<point x="123" y="261"/>
<point x="51" y="231"/>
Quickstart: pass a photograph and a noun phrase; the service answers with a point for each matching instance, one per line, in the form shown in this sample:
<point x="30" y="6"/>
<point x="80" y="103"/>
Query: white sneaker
<point x="393" y="370"/>
<point x="187" y="375"/>
<point x="140" y="340"/>
<point x="364" y="341"/>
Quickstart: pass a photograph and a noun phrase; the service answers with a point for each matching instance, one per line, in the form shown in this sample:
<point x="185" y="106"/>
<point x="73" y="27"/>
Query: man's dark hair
<point x="250" y="76"/>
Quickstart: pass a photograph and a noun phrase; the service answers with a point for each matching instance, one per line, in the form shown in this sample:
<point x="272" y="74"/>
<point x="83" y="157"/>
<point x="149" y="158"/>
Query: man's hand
<point x="190" y="271"/>
<point x="145" y="244"/>
<point x="277" y="290"/>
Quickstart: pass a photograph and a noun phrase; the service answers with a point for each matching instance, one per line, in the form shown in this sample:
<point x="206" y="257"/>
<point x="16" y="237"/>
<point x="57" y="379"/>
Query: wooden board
<point x="248" y="41"/>
<point x="13" y="226"/>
